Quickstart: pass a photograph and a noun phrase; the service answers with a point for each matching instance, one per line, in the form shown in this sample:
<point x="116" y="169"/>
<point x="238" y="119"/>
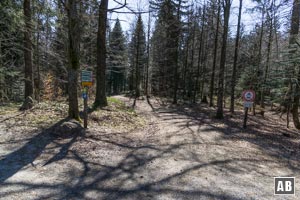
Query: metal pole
<point x="245" y="118"/>
<point x="85" y="107"/>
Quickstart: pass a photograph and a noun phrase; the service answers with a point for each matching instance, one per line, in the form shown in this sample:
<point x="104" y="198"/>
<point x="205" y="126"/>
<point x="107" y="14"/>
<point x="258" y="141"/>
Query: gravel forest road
<point x="182" y="153"/>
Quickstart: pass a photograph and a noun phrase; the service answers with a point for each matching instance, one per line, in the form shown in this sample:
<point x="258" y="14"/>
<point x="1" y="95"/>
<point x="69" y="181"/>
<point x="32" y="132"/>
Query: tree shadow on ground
<point x="15" y="161"/>
<point x="135" y="172"/>
<point x="265" y="132"/>
<point x="125" y="179"/>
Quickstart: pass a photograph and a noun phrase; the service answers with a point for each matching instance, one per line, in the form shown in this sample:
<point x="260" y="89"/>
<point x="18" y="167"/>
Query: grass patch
<point x="116" y="101"/>
<point x="8" y="108"/>
<point x="117" y="116"/>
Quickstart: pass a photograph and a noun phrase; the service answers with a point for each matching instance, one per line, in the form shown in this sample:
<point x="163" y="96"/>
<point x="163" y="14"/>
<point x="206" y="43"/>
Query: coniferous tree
<point x="165" y="47"/>
<point x="117" y="59"/>
<point x="11" y="54"/>
<point x="138" y="55"/>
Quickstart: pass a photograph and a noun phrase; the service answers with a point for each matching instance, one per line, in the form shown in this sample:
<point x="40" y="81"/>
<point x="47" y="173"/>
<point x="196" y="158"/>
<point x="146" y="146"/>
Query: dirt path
<point x="183" y="153"/>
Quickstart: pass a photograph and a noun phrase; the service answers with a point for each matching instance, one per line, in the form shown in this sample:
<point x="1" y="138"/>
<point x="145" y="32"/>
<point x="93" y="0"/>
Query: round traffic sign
<point x="248" y="95"/>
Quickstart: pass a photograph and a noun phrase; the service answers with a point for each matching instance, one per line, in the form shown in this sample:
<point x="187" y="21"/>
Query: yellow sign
<point x="88" y="84"/>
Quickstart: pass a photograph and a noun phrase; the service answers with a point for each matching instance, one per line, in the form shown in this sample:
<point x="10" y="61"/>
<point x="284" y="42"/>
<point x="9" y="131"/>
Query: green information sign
<point x="86" y="78"/>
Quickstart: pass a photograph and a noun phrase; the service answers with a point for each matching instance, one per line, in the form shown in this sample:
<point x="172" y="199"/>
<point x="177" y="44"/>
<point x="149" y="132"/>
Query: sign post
<point x="248" y="98"/>
<point x="86" y="82"/>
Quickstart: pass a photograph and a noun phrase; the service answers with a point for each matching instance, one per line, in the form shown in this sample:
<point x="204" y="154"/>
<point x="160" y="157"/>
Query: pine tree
<point x="166" y="46"/>
<point x="138" y="55"/>
<point x="117" y="58"/>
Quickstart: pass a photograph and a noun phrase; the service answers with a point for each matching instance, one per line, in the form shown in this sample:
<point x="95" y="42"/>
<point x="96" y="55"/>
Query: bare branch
<point x="122" y="5"/>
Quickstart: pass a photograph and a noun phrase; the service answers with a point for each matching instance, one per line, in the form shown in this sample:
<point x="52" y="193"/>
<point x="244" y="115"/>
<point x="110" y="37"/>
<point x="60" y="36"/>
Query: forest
<point x="187" y="51"/>
<point x="167" y="76"/>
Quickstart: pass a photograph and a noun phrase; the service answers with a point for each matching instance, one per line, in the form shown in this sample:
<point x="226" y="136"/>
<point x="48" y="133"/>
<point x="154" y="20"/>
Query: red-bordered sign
<point x="248" y="95"/>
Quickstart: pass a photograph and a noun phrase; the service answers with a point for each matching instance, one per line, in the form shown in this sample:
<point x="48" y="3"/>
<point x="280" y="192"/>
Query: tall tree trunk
<point x="191" y="67"/>
<point x="204" y="71"/>
<point x="137" y="67"/>
<point x="73" y="55"/>
<point x="293" y="37"/>
<point x="212" y="79"/>
<point x="219" y="115"/>
<point x="236" y="48"/>
<point x="28" y="50"/>
<point x="186" y="62"/>
<point x="176" y="77"/>
<point x="270" y="39"/>
<point x="100" y="99"/>
<point x="148" y="57"/>
<point x="199" y="55"/>
<point x="38" y="78"/>
<point x="260" y="51"/>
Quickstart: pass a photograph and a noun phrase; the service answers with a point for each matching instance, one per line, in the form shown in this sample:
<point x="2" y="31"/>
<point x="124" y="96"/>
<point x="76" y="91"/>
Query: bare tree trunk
<point x="137" y="67"/>
<point x="219" y="115"/>
<point x="148" y="58"/>
<point x="260" y="51"/>
<point x="100" y="99"/>
<point x="176" y="77"/>
<point x="262" y="103"/>
<point x="38" y="79"/>
<point x="293" y="37"/>
<point x="73" y="55"/>
<point x="190" y="89"/>
<point x="233" y="78"/>
<point x="28" y="50"/>
<point x="199" y="56"/>
<point x="212" y="79"/>
<point x="295" y="106"/>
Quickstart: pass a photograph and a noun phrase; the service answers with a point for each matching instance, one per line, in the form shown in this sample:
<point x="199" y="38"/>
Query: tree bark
<point x="148" y="58"/>
<point x="73" y="55"/>
<point x="260" y="51"/>
<point x="176" y="78"/>
<point x="212" y="79"/>
<point x="28" y="50"/>
<point x="219" y="115"/>
<point x="199" y="55"/>
<point x="293" y="37"/>
<point x="100" y="99"/>
<point x="137" y="66"/>
<point x="262" y="103"/>
<point x="233" y="78"/>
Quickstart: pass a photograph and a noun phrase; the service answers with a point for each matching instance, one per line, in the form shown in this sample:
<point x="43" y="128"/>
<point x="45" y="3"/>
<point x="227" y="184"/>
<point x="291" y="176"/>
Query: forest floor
<point x="157" y="151"/>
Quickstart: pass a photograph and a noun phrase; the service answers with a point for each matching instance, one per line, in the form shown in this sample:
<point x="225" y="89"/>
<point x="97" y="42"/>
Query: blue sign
<point x="84" y="95"/>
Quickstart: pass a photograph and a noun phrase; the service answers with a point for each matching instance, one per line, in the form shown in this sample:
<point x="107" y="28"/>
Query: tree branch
<point x="122" y="5"/>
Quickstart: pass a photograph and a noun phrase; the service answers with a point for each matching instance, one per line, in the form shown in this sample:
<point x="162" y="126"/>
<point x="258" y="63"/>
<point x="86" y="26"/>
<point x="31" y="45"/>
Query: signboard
<point x="248" y="98"/>
<point x="248" y="104"/>
<point x="248" y="95"/>
<point x="86" y="78"/>
<point x="86" y="81"/>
